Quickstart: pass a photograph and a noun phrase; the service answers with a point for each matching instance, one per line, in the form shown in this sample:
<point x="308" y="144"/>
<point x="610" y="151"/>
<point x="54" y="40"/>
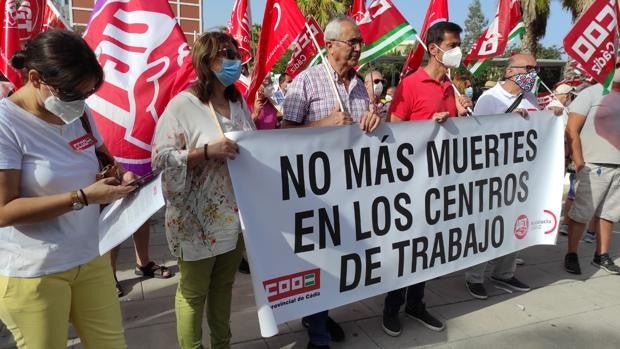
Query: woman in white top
<point x="50" y="268"/>
<point x="202" y="224"/>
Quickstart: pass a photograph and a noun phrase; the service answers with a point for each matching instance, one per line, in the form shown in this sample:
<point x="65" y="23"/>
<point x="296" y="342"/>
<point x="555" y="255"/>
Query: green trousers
<point x="207" y="281"/>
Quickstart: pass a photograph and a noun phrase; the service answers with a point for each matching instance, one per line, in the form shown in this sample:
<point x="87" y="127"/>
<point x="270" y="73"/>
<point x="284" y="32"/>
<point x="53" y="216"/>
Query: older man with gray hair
<point x="312" y="101"/>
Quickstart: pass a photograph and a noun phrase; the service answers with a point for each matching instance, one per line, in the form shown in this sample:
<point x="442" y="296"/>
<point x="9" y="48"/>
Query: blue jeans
<point x="414" y="295"/>
<point x="317" y="328"/>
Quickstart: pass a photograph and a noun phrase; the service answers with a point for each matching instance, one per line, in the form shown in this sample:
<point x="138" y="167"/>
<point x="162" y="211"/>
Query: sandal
<point x="152" y="270"/>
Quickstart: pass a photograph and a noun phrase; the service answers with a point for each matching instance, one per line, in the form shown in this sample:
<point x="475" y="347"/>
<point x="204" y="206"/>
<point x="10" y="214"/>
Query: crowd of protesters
<point x="51" y="272"/>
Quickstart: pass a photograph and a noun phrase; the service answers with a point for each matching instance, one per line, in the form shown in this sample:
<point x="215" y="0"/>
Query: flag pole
<point x="324" y="62"/>
<point x="417" y="37"/>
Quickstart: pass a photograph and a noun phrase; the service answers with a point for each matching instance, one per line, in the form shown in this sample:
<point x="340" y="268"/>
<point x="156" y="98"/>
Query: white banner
<point x="334" y="216"/>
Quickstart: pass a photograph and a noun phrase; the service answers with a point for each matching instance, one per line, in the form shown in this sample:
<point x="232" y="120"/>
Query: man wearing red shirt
<point x="428" y="93"/>
<point x="425" y="95"/>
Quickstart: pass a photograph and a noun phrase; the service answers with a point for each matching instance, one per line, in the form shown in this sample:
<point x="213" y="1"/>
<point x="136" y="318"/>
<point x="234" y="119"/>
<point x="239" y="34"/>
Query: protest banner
<point x="335" y="216"/>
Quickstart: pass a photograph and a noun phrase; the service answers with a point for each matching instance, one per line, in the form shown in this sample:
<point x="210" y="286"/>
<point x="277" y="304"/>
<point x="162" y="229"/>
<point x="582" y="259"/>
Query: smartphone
<point x="144" y="179"/>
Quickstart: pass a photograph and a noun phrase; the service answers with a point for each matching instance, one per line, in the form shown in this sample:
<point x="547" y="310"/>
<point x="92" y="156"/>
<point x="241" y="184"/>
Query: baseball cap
<point x="563" y="89"/>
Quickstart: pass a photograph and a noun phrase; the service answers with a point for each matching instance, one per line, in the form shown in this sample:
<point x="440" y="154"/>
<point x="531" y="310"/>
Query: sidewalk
<point x="562" y="310"/>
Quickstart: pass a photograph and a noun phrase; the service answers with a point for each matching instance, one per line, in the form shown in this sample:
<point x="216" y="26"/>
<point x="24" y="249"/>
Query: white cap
<point x="564" y="89"/>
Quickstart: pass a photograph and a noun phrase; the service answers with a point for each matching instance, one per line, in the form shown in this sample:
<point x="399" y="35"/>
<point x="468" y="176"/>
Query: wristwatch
<point x="76" y="203"/>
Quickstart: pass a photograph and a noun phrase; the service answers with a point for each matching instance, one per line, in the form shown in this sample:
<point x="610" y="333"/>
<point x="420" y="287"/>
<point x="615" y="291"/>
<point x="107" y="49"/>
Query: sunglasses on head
<point x="376" y="81"/>
<point x="229" y="52"/>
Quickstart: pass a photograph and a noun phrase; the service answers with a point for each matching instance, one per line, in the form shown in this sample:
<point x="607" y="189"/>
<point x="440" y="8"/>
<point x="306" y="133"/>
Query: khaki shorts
<point x="598" y="193"/>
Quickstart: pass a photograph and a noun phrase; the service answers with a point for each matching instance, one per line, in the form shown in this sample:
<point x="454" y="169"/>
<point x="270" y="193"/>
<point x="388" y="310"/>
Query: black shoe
<point x="605" y="262"/>
<point x="571" y="263"/>
<point x="476" y="290"/>
<point x="336" y="333"/>
<point x="391" y="325"/>
<point x="313" y="346"/>
<point x="512" y="283"/>
<point x="426" y="319"/>
<point x="244" y="266"/>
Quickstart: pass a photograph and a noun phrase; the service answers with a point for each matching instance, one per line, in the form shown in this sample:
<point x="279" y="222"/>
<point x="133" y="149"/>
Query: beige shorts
<point x="598" y="193"/>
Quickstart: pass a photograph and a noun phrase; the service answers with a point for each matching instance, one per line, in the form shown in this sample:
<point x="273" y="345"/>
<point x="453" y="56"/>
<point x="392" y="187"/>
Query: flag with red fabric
<point x="507" y="25"/>
<point x="239" y="27"/>
<point x="9" y="43"/>
<point x="141" y="47"/>
<point x="437" y="12"/>
<point x="593" y="41"/>
<point x="22" y="24"/>
<point x="383" y="28"/>
<point x="357" y="10"/>
<point x="282" y="22"/>
<point x="304" y="50"/>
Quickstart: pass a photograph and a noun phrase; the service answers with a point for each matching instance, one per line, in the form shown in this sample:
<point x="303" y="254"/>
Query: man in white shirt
<point x="563" y="95"/>
<point x="519" y="79"/>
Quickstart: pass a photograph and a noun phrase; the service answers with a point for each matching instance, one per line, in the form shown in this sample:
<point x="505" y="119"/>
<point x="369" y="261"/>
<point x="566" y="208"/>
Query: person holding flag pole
<point x="330" y="94"/>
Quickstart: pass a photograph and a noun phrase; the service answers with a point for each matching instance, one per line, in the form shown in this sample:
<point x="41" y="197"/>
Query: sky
<point x="217" y="13"/>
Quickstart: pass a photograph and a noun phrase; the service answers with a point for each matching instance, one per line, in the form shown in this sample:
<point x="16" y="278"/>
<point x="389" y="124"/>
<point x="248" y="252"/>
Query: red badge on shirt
<point x="84" y="142"/>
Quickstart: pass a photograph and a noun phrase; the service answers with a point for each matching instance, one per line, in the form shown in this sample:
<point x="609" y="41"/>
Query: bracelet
<point x="205" y="150"/>
<point x="84" y="197"/>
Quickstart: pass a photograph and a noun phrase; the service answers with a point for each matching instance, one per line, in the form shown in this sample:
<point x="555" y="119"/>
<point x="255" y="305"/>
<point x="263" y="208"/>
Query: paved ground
<point x="562" y="310"/>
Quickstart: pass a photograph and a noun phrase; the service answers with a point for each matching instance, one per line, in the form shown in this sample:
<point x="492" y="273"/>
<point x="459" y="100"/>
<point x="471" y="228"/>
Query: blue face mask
<point x="469" y="92"/>
<point x="229" y="72"/>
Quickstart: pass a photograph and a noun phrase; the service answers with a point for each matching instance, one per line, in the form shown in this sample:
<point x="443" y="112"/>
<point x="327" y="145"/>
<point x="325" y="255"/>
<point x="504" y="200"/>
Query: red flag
<point x="22" y="24"/>
<point x="357" y="10"/>
<point x="437" y="12"/>
<point x="493" y="41"/>
<point x="239" y="27"/>
<point x="282" y="22"/>
<point x="593" y="40"/>
<point x="305" y="49"/>
<point x="140" y="47"/>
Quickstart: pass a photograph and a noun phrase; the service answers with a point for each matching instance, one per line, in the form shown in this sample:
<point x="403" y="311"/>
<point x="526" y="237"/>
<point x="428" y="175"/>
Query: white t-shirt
<point x="556" y="103"/>
<point x="49" y="165"/>
<point x="496" y="100"/>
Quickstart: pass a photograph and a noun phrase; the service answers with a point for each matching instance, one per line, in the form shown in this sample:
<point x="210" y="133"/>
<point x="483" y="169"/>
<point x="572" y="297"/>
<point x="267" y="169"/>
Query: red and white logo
<point x="140" y="47"/>
<point x="292" y="284"/>
<point x="84" y="142"/>
<point x="521" y="226"/>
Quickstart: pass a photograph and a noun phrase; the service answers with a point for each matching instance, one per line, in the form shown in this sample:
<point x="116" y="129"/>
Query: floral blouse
<point x="201" y="212"/>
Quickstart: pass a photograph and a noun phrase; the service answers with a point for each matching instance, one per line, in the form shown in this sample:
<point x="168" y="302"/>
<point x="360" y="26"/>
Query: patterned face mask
<point x="525" y="81"/>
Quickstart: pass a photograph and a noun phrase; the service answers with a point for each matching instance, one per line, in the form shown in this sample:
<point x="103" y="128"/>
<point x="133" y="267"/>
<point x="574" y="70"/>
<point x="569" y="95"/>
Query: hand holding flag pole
<point x="325" y="63"/>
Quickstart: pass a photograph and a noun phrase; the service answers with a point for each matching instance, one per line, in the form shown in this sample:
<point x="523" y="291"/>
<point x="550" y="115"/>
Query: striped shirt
<point x="310" y="97"/>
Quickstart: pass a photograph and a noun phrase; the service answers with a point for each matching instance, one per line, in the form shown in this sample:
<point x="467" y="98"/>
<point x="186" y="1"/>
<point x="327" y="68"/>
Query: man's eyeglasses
<point x="528" y="68"/>
<point x="353" y="42"/>
<point x="229" y="52"/>
<point x="377" y="81"/>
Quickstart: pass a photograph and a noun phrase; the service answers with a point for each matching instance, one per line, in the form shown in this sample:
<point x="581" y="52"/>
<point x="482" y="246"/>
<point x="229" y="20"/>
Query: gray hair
<point x="334" y="27"/>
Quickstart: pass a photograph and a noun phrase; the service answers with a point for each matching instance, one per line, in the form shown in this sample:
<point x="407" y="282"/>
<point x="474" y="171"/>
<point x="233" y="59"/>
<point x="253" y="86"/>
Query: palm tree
<point x="576" y="7"/>
<point x="535" y="15"/>
<point x="324" y="10"/>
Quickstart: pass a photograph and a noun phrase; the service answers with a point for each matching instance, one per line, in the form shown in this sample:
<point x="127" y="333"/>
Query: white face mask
<point x="268" y="91"/>
<point x="377" y="89"/>
<point x="452" y="57"/>
<point x="617" y="75"/>
<point x="68" y="112"/>
<point x="388" y="98"/>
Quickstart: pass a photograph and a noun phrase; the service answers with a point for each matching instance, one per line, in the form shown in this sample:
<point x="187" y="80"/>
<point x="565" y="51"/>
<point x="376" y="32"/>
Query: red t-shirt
<point x="418" y="97"/>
